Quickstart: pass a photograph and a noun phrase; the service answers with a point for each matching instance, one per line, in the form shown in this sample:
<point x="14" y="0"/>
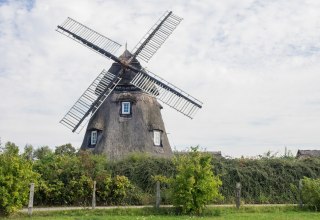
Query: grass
<point x="216" y="213"/>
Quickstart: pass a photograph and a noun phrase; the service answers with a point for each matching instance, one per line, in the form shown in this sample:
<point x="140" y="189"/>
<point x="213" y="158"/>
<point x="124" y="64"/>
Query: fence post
<point x="31" y="195"/>
<point x="158" y="196"/>
<point x="300" y="193"/>
<point x="238" y="195"/>
<point x="94" y="195"/>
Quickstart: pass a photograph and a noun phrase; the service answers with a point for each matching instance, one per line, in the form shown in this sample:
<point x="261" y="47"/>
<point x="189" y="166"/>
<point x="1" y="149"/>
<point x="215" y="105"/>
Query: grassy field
<point x="284" y="212"/>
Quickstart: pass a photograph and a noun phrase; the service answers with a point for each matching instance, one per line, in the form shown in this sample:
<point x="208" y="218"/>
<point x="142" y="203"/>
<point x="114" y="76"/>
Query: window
<point x="93" y="137"/>
<point x="125" y="108"/>
<point x="157" y="137"/>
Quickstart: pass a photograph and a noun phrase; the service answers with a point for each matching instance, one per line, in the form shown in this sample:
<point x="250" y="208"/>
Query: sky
<point x="255" y="64"/>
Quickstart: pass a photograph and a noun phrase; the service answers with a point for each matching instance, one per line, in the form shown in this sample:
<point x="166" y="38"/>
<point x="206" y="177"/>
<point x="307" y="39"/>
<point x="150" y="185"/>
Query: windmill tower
<point x="121" y="103"/>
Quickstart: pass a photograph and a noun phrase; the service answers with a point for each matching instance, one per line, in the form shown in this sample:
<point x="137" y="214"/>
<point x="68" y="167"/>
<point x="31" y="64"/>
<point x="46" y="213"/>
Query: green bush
<point x="118" y="191"/>
<point x="264" y="180"/>
<point x="194" y="184"/>
<point x="119" y="188"/>
<point x="67" y="179"/>
<point x="311" y="192"/>
<point x="15" y="177"/>
<point x="140" y="168"/>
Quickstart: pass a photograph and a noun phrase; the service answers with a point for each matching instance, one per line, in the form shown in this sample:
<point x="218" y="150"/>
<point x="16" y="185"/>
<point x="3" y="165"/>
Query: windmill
<point x="120" y="105"/>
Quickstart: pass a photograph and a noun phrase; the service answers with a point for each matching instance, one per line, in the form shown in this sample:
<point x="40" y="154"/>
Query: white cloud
<point x="254" y="64"/>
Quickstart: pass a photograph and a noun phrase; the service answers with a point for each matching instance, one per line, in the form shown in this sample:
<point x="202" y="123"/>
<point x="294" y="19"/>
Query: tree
<point x="42" y="152"/>
<point x="11" y="148"/>
<point x="15" y="176"/>
<point x="194" y="184"/>
<point x="1" y="148"/>
<point x="65" y="149"/>
<point x="28" y="152"/>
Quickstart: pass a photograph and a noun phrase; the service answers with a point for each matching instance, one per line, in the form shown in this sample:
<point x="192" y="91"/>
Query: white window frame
<point x="157" y="137"/>
<point x="128" y="112"/>
<point x="94" y="137"/>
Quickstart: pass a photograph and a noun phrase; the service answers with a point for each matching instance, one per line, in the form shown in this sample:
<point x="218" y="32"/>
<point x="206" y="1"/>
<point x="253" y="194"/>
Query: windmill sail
<point x="89" y="38"/>
<point x="166" y="92"/>
<point x="90" y="100"/>
<point x="156" y="36"/>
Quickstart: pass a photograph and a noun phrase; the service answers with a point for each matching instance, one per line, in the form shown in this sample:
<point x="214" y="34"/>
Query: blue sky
<point x="254" y="64"/>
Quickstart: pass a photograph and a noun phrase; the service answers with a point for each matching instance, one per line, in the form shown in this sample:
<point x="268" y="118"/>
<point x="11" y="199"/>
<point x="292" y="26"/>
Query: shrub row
<point x="65" y="177"/>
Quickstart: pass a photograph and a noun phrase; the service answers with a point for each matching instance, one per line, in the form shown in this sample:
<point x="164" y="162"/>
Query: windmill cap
<point x="126" y="55"/>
